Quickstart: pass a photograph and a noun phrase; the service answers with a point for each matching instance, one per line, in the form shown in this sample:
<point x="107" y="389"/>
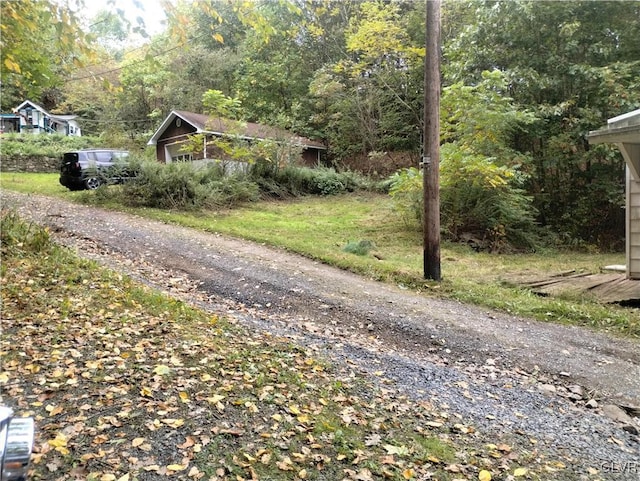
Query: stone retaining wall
<point x="29" y="164"/>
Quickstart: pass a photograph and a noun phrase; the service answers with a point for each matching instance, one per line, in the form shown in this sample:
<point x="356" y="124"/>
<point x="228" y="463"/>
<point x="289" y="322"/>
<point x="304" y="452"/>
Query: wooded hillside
<point x="523" y="82"/>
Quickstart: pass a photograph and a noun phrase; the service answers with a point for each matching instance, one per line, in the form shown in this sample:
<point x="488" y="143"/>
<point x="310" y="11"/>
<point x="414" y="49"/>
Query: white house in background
<point x="29" y="117"/>
<point x="624" y="132"/>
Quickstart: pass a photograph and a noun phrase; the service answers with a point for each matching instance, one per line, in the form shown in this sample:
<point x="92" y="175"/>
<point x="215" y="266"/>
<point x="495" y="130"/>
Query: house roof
<point x="624" y="128"/>
<point x="205" y="124"/>
<point x="32" y="104"/>
<point x="624" y="131"/>
<point x="62" y="118"/>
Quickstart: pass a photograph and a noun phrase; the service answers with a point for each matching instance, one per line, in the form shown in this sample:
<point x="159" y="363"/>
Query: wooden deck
<point x="607" y="287"/>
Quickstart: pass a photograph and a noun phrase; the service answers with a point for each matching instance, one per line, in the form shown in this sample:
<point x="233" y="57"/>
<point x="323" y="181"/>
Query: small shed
<point x="624" y="132"/>
<point x="179" y="126"/>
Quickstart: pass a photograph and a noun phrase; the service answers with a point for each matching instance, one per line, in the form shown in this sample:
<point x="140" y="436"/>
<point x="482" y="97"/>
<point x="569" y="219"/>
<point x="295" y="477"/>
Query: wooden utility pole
<point x="431" y="160"/>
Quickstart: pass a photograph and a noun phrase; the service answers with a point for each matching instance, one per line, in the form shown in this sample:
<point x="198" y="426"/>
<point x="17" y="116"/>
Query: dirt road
<point x="503" y="374"/>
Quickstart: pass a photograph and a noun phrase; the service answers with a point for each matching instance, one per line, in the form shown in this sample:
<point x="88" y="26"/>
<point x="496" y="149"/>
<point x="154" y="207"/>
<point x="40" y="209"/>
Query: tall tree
<point x="271" y="80"/>
<point x="371" y="99"/>
<point x="40" y="42"/>
<point x="573" y="64"/>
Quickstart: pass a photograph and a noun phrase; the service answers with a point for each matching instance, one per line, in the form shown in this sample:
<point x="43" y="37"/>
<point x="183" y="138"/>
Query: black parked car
<point x="89" y="169"/>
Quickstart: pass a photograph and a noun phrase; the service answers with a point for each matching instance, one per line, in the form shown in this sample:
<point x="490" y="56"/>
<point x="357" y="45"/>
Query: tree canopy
<point x="40" y="42"/>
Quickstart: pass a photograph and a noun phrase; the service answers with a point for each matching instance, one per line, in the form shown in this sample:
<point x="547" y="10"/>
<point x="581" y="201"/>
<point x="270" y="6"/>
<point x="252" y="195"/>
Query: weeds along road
<point x="504" y="375"/>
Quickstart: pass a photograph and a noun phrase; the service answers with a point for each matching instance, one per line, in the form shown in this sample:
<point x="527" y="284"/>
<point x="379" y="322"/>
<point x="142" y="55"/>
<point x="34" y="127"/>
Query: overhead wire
<point x="116" y="69"/>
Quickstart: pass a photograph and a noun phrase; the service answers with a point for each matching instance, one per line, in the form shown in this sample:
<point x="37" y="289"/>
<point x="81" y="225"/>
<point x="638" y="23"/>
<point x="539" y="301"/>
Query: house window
<point x="178" y="122"/>
<point x="182" y="158"/>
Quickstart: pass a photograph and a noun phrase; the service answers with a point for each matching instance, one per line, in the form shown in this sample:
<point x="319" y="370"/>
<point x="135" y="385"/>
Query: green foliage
<point x="216" y="103"/>
<point x="359" y="248"/>
<point x="379" y="36"/>
<point x="183" y="186"/>
<point x="40" y="41"/>
<point x="17" y="236"/>
<point x="295" y="181"/>
<point x="482" y="118"/>
<point x="406" y="191"/>
<point x="273" y="74"/>
<point x="50" y="145"/>
<point x="327" y="181"/>
<point x="481" y="179"/>
<point x="202" y="68"/>
<point x="142" y="76"/>
<point x="371" y="100"/>
<point x="572" y="65"/>
<point x="484" y="200"/>
<point x="478" y="200"/>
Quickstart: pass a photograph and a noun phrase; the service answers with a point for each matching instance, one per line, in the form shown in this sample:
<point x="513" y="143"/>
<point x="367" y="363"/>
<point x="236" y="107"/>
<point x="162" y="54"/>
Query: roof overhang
<point x="33" y="105"/>
<point x="167" y="121"/>
<point x="222" y="131"/>
<point x="624" y="131"/>
<point x="63" y="118"/>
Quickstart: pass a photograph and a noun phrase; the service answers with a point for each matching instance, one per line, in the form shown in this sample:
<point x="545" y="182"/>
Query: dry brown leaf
<point x="189" y="442"/>
<point x="286" y="464"/>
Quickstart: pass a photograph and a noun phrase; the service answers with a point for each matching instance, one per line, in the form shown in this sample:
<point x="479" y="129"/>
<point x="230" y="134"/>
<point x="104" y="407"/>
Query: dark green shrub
<point x="50" y="145"/>
<point x="405" y="188"/>
<point x="184" y="186"/>
<point x="327" y="182"/>
<point x="360" y="248"/>
<point x="481" y="198"/>
<point x="296" y="181"/>
<point x="478" y="199"/>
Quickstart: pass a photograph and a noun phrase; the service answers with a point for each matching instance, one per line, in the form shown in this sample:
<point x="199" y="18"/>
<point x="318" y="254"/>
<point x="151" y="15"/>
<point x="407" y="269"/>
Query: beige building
<point x="624" y="132"/>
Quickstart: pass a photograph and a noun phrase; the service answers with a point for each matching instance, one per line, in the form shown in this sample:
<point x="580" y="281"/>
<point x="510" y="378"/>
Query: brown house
<point x="176" y="130"/>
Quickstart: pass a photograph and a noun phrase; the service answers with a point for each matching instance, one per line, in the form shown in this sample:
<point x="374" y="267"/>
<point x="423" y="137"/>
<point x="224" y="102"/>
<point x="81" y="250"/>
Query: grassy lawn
<point x="320" y="228"/>
<point x="127" y="384"/>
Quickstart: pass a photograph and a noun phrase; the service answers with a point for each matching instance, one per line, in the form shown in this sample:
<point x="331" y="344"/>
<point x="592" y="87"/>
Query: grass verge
<point x="127" y="384"/>
<point x="321" y="228"/>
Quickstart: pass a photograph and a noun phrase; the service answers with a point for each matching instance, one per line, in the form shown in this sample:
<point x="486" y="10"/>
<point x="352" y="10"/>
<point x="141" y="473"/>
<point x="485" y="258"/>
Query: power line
<point x="116" y="69"/>
<point x="117" y="121"/>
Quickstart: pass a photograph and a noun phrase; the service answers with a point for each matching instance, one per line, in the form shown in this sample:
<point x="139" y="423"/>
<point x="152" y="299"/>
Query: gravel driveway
<point x="562" y="386"/>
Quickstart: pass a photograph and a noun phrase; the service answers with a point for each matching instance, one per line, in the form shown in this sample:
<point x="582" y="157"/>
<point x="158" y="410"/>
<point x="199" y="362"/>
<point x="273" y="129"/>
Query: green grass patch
<point x="41" y="183"/>
<point x="320" y="227"/>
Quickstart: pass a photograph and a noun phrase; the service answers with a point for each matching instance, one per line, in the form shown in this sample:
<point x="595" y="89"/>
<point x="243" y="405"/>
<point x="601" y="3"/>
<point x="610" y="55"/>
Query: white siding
<point x="633" y="227"/>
